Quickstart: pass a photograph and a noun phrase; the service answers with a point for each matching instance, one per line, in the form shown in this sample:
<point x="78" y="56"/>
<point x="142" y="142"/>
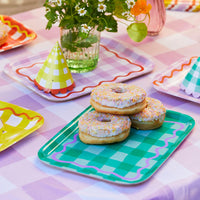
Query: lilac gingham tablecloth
<point x="24" y="176"/>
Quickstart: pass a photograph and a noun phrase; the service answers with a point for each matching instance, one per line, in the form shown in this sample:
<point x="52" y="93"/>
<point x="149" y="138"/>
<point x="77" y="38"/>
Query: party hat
<point x="54" y="76"/>
<point x="191" y="82"/>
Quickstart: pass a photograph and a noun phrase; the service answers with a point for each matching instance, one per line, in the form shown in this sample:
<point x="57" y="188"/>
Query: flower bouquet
<point x="81" y="21"/>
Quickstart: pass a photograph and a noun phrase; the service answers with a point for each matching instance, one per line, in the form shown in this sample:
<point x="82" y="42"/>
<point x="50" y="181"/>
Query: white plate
<point x="170" y="80"/>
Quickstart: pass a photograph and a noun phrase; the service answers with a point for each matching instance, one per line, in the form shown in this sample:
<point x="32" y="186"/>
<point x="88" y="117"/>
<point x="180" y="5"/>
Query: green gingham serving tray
<point x="129" y="162"/>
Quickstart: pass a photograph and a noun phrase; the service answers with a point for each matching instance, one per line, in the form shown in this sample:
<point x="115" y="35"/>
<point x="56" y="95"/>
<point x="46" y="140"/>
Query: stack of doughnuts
<point x="118" y="107"/>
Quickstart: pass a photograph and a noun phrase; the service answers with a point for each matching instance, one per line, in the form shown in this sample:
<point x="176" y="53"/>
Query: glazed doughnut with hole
<point x="151" y="117"/>
<point x="118" y="98"/>
<point x="102" y="128"/>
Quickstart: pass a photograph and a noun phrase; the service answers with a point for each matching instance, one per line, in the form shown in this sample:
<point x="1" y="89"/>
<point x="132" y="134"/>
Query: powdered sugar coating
<point x="103" y="124"/>
<point x="118" y="95"/>
<point x="154" y="110"/>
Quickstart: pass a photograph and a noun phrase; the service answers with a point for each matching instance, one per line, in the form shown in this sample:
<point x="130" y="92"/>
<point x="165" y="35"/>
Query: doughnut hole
<point x="119" y="90"/>
<point x="103" y="119"/>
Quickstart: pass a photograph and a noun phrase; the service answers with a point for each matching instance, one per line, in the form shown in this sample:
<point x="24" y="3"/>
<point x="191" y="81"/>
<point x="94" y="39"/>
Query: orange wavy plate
<point x="18" y="34"/>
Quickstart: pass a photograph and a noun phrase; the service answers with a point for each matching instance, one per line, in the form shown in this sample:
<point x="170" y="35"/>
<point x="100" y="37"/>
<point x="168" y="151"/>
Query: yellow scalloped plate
<point x="16" y="123"/>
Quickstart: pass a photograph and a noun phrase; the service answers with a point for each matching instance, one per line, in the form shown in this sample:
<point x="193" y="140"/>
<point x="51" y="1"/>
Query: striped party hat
<point x="191" y="82"/>
<point x="54" y="76"/>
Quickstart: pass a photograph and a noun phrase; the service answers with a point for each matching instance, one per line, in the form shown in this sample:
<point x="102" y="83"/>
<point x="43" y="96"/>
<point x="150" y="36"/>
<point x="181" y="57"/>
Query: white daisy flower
<point x="108" y="29"/>
<point x="85" y="28"/>
<point x="82" y="11"/>
<point x="47" y="9"/>
<point x="56" y="1"/>
<point x="77" y="6"/>
<point x="101" y="0"/>
<point x="126" y="14"/>
<point x="59" y="2"/>
<point x="130" y="3"/>
<point x="101" y="7"/>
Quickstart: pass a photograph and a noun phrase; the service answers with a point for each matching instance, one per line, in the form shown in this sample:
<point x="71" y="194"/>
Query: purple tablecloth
<point x="24" y="176"/>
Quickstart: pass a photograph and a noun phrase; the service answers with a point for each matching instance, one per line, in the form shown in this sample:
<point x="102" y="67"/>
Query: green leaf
<point x="87" y="42"/>
<point x="111" y="23"/>
<point x="102" y="24"/>
<point x="83" y="44"/>
<point x="119" y="9"/>
<point x="74" y="41"/>
<point x="67" y="22"/>
<point x="50" y="16"/>
<point x="49" y="25"/>
<point x="137" y="31"/>
<point x="92" y="39"/>
<point x="110" y="7"/>
<point x="67" y="41"/>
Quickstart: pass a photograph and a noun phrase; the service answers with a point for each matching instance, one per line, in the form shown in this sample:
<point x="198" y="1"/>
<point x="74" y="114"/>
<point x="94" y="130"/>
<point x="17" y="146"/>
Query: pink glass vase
<point x="157" y="17"/>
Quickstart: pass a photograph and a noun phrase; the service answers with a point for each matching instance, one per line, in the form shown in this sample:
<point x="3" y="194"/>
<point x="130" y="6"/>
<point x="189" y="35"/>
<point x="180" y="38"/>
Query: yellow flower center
<point x="85" y="26"/>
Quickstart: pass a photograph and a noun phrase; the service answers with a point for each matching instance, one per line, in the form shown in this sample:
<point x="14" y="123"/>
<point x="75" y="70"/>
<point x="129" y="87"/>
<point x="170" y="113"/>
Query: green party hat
<point x="191" y="82"/>
<point x="55" y="76"/>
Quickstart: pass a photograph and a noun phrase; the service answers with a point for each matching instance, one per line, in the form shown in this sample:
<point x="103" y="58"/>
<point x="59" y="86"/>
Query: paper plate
<point x="169" y="81"/>
<point x="18" y="34"/>
<point x="17" y="123"/>
<point x="132" y="161"/>
<point x="117" y="63"/>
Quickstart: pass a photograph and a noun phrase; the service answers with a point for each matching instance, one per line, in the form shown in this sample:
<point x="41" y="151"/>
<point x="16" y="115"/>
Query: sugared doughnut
<point x="3" y="33"/>
<point x="118" y="98"/>
<point x="102" y="128"/>
<point x="151" y="117"/>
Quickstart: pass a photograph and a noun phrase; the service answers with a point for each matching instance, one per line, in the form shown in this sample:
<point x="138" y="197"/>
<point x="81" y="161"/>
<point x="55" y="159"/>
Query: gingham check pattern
<point x="129" y="162"/>
<point x="111" y="68"/>
<point x="171" y="81"/>
<point x="192" y="79"/>
<point x="17" y="33"/>
<point x="17" y="123"/>
<point x="183" y="5"/>
<point x="54" y="73"/>
<point x="24" y="176"/>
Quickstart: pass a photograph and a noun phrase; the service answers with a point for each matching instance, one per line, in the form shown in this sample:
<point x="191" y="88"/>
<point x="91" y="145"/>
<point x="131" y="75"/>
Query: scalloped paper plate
<point x="17" y="123"/>
<point x="132" y="161"/>
<point x="169" y="81"/>
<point x="18" y="34"/>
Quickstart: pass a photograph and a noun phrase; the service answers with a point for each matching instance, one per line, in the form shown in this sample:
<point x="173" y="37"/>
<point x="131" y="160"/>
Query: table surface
<point x="24" y="176"/>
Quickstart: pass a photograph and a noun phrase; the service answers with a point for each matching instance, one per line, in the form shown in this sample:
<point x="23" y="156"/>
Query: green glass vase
<point x="81" y="50"/>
